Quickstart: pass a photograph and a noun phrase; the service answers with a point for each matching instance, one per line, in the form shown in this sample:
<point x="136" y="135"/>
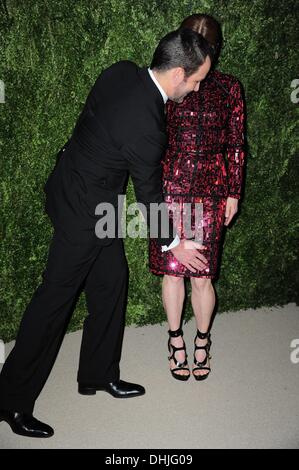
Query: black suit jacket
<point x="121" y="131"/>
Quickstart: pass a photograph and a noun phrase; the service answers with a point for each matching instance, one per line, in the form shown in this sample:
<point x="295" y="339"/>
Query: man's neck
<point x="159" y="83"/>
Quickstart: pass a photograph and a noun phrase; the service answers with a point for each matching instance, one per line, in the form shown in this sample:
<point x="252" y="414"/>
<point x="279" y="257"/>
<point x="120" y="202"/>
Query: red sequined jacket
<point x="202" y="130"/>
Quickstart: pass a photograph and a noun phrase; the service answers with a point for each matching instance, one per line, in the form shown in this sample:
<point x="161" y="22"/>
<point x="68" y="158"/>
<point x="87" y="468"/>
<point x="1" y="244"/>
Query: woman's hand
<point x="231" y="209"/>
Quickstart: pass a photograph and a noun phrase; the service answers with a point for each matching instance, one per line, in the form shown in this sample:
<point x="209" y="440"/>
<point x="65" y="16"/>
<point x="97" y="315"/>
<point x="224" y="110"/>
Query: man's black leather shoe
<point x="25" y="424"/>
<point x="118" y="389"/>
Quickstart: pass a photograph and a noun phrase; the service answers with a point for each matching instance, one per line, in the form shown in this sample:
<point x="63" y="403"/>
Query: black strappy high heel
<point x="174" y="349"/>
<point x="202" y="365"/>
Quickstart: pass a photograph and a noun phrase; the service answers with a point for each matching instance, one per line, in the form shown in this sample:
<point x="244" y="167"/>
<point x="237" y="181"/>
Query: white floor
<point x="250" y="400"/>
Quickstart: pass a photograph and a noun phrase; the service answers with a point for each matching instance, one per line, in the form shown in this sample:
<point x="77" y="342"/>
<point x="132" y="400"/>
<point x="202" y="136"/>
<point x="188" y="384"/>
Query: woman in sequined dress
<point x="205" y="127"/>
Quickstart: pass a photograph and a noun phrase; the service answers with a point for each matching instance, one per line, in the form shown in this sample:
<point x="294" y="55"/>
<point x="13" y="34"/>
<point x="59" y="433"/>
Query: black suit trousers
<point x="102" y="271"/>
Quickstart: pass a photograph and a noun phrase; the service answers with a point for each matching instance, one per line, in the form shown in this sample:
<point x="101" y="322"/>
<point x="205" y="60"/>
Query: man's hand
<point x="187" y="254"/>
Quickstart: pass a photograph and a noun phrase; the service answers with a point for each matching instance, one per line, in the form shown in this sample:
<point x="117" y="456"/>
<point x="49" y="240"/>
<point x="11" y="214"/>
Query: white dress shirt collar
<point x="164" y="96"/>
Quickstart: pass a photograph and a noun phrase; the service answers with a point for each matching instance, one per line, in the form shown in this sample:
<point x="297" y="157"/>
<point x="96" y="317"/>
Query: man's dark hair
<point x="181" y="48"/>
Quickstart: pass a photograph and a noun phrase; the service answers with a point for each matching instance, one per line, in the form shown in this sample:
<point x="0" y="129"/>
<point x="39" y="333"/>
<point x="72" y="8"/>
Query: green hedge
<point x="52" y="52"/>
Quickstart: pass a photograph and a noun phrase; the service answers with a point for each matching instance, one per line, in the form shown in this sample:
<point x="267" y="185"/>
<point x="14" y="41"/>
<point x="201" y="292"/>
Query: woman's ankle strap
<point x="174" y="334"/>
<point x="203" y="335"/>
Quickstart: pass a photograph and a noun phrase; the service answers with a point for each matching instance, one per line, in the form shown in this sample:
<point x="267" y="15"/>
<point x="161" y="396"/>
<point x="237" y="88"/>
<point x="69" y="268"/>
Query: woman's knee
<point x="200" y="283"/>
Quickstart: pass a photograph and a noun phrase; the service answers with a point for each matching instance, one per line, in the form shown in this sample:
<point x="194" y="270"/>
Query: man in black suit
<point x="120" y="132"/>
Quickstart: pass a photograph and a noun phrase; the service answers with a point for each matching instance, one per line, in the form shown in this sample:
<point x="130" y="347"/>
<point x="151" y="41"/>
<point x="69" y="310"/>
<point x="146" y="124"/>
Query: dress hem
<point x="171" y="273"/>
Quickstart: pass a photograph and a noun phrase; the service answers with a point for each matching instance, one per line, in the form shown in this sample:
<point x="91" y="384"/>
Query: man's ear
<point x="178" y="75"/>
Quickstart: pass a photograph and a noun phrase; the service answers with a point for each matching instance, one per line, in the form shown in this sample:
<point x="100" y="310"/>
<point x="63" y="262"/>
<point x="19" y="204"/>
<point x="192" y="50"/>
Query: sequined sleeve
<point x="236" y="142"/>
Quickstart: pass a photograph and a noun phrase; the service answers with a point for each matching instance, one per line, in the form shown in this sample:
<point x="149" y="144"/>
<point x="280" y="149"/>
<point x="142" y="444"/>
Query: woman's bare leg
<point x="173" y="294"/>
<point x="203" y="303"/>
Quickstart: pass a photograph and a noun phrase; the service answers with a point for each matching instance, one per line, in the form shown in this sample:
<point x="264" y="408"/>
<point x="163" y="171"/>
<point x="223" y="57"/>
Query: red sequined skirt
<point x="202" y="217"/>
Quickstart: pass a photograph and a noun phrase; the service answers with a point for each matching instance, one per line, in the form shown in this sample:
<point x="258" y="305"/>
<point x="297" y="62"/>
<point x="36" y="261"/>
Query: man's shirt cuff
<point x="173" y="244"/>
